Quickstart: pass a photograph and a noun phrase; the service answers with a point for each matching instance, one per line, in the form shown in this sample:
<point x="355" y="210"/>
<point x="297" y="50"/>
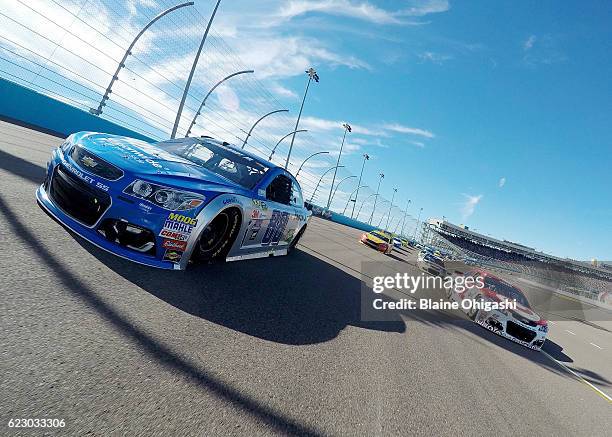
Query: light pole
<point x="404" y="220"/>
<point x="346" y="178"/>
<point x="347" y="128"/>
<point x="363" y="203"/>
<point x="396" y="226"/>
<point x="366" y="157"/>
<point x="304" y="162"/>
<point x="382" y="216"/>
<point x="382" y="176"/>
<point x="312" y="75"/>
<point x="350" y="199"/>
<point x="321" y="178"/>
<point x="257" y="122"/>
<point x="191" y="73"/>
<point x="281" y="140"/>
<point x="390" y="207"/>
<point x="193" y="122"/>
<point x="128" y="52"/>
<point x="417" y="224"/>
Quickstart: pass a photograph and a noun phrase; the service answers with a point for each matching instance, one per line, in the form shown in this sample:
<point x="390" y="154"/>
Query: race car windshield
<point x="506" y="290"/>
<point x="381" y="236"/>
<point x="220" y="159"/>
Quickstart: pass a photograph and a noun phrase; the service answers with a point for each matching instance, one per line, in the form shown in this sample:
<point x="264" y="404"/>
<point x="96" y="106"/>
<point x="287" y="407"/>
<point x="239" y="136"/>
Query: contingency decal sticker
<point x="178" y="227"/>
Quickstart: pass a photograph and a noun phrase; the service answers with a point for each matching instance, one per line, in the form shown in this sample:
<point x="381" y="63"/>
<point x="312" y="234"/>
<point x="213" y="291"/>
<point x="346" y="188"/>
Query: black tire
<point x="217" y="238"/>
<point x="296" y="240"/>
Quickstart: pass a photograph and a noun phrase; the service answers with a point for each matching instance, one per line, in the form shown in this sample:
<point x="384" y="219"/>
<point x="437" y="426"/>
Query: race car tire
<point x="217" y="238"/>
<point x="296" y="240"/>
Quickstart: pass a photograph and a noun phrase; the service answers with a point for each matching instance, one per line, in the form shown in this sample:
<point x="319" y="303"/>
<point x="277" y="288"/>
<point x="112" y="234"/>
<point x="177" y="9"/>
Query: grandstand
<point x="588" y="279"/>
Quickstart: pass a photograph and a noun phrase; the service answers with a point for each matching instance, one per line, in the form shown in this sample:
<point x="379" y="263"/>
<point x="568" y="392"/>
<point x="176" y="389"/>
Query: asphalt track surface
<point x="270" y="346"/>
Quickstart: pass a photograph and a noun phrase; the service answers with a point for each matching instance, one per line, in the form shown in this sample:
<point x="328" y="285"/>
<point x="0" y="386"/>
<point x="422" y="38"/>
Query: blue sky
<point x="492" y="114"/>
<point x="516" y="96"/>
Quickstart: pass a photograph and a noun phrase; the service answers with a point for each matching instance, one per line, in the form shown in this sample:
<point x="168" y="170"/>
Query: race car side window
<point x="296" y="195"/>
<point x="279" y="190"/>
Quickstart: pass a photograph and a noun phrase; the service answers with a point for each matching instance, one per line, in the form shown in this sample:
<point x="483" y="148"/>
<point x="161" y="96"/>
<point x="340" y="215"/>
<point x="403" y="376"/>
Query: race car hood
<point x="375" y="239"/>
<point x="144" y="159"/>
<point x="521" y="311"/>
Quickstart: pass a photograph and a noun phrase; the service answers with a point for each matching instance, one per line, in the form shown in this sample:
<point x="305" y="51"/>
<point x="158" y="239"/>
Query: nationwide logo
<point x="175" y="245"/>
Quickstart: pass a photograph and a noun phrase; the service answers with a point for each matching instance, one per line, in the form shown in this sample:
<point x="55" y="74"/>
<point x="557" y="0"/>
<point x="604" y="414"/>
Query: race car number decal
<point x="278" y="223"/>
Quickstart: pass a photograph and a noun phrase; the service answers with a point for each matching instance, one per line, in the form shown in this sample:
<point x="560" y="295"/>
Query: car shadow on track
<point x="296" y="299"/>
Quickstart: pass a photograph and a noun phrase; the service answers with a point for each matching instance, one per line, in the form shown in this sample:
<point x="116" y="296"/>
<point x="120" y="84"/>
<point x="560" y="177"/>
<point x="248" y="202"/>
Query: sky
<point x="496" y="115"/>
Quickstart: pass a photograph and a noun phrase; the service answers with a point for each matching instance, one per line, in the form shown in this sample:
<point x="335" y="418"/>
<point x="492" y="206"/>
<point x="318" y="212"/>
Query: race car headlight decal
<point x="164" y="197"/>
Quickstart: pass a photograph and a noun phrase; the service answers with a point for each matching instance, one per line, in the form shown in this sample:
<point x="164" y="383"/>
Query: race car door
<point x="274" y="219"/>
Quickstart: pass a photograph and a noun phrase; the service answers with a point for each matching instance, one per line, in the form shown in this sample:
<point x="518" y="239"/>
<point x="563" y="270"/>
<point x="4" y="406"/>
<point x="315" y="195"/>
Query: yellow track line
<point x="580" y="378"/>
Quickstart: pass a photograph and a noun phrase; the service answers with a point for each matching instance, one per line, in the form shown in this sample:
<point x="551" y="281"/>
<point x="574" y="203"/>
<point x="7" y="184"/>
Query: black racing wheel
<point x="296" y="240"/>
<point x="217" y="238"/>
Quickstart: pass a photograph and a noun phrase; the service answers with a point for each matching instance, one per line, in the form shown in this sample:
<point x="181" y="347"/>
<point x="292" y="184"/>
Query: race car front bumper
<point x="510" y="328"/>
<point x="93" y="235"/>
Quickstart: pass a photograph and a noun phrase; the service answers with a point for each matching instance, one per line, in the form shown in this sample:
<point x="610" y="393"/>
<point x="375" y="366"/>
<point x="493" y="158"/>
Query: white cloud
<point x="395" y="127"/>
<point x="419" y="144"/>
<point x="434" y="58"/>
<point x="502" y="182"/>
<point x="468" y="207"/>
<point x="529" y="42"/>
<point x="425" y="7"/>
<point x="361" y="10"/>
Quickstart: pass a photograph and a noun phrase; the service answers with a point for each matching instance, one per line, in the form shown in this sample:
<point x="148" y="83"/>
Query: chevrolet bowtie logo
<point x="89" y="161"/>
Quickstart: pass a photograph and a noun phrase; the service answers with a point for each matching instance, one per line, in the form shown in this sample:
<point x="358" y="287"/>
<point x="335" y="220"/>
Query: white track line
<point x="570" y="332"/>
<point x="580" y="378"/>
<point x="598" y="347"/>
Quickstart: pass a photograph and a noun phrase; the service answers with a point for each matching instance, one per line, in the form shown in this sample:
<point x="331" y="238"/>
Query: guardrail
<point x="22" y="105"/>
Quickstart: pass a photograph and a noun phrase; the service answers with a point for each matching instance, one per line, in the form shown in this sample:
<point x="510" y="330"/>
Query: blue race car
<point x="173" y="202"/>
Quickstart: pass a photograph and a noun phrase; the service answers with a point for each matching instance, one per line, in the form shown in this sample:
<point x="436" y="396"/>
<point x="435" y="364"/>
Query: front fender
<point x="208" y="213"/>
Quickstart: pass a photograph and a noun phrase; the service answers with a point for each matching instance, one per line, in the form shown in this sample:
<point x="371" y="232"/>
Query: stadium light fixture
<point x="192" y="72"/>
<point x="128" y="52"/>
<point x="346" y="178"/>
<point x="281" y="140"/>
<point x="193" y="122"/>
<point x="257" y="122"/>
<point x="366" y="157"/>
<point x="405" y="214"/>
<point x="304" y="162"/>
<point x="382" y="202"/>
<point x="321" y="178"/>
<point x="347" y="128"/>
<point x="350" y="199"/>
<point x="382" y="176"/>
<point x="363" y="203"/>
<point x="312" y="75"/>
<point x="390" y="207"/>
<point x="417" y="224"/>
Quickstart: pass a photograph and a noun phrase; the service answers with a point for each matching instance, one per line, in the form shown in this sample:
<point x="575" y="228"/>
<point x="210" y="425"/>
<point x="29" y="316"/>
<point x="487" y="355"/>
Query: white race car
<point x="521" y="325"/>
<point x="430" y="263"/>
